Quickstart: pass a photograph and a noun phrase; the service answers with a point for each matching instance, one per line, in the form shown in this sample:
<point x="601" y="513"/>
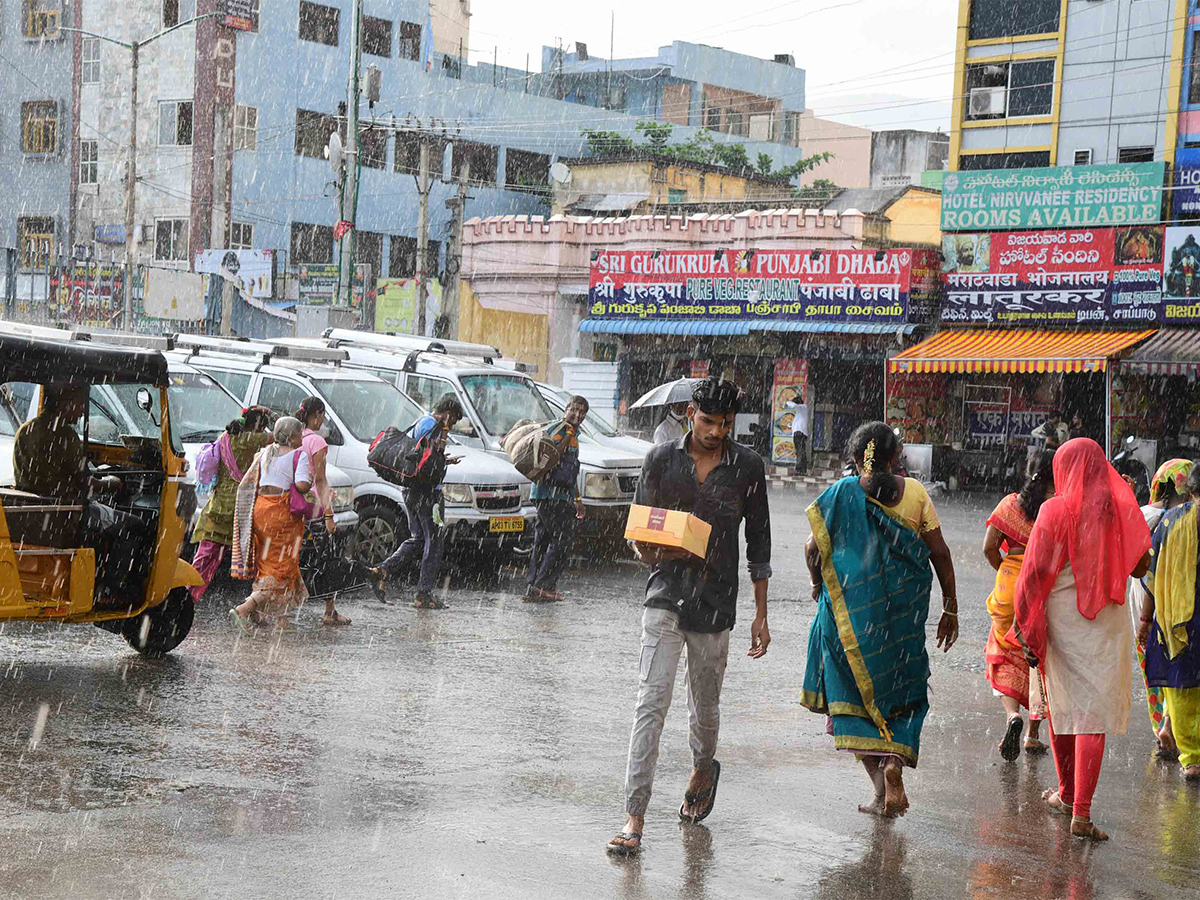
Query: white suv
<point x="484" y="503"/>
<point x="495" y="397"/>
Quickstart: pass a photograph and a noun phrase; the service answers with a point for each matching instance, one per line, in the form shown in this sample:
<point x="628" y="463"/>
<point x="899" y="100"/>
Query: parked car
<point x="483" y="503"/>
<point x="495" y="397"/>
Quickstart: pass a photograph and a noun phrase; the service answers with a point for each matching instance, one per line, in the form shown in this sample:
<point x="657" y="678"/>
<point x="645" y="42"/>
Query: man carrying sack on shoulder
<point x="559" y="507"/>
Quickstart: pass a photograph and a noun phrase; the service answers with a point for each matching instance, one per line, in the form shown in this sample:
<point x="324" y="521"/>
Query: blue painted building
<point x="294" y="78"/>
<point x="36" y="162"/>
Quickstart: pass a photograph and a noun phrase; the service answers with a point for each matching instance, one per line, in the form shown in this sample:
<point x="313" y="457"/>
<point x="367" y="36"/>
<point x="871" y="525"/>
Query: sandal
<point x="378" y="581"/>
<point x="690" y="799"/>
<point x="536" y="595"/>
<point x="1191" y="773"/>
<point x="1010" y="747"/>
<point x="241" y="623"/>
<point x="336" y="619"/>
<point x="427" y="601"/>
<point x="625" y="849"/>
<point x="1033" y="745"/>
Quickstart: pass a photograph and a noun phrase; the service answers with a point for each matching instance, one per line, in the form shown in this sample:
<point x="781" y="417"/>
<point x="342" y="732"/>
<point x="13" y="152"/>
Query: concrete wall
<point x="899" y="157"/>
<point x="451" y="20"/>
<point x="850" y="145"/>
<point x="915" y="219"/>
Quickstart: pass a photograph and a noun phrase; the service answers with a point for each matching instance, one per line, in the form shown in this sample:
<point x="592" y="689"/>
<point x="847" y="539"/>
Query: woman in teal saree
<point x="874" y="539"/>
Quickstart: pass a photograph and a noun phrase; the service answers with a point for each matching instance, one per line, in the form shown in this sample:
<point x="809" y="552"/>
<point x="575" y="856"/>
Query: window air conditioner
<point x="988" y="101"/>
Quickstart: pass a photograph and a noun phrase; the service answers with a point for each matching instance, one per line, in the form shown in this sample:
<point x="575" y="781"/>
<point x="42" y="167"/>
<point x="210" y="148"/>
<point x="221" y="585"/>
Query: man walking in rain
<point x="692" y="602"/>
<point x="559" y="507"/>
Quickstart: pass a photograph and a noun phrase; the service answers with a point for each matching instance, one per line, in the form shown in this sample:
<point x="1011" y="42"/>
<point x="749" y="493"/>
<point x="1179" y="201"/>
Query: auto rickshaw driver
<point x="50" y="460"/>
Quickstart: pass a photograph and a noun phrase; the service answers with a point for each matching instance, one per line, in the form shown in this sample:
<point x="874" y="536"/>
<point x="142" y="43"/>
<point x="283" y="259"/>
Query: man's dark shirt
<point x="704" y="593"/>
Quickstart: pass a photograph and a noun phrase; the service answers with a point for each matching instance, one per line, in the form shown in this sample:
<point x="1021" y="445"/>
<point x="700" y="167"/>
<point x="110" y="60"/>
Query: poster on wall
<point x="802" y="285"/>
<point x="1181" y="274"/>
<point x="87" y="293"/>
<point x="240" y="14"/>
<point x="319" y="284"/>
<point x="172" y="294"/>
<point x="791" y="387"/>
<point x="396" y="305"/>
<point x="1048" y="278"/>
<point x="250" y="271"/>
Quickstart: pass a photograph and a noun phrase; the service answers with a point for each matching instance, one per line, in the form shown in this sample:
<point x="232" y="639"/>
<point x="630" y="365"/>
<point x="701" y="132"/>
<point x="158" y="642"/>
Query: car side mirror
<point x="144" y="401"/>
<point x="334" y="437"/>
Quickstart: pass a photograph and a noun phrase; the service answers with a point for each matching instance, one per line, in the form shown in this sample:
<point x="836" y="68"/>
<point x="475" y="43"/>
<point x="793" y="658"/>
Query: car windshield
<point x="501" y="401"/>
<point x="200" y="408"/>
<point x="367" y="407"/>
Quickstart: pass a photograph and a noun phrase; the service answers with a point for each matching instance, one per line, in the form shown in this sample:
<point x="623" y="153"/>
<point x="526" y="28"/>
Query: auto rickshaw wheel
<point x="161" y="629"/>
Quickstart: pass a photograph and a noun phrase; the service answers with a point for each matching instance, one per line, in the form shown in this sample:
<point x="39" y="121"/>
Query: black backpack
<point x="399" y="458"/>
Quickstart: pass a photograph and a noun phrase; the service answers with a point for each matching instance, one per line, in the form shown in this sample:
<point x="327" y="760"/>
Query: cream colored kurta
<point x="1089" y="682"/>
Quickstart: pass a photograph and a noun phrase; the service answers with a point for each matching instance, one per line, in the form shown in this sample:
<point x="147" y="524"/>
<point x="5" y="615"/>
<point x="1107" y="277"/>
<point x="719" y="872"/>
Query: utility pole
<point x="458" y="214"/>
<point x="350" y="181"/>
<point x="422" y="231"/>
<point x="134" y="47"/>
<point x="131" y="192"/>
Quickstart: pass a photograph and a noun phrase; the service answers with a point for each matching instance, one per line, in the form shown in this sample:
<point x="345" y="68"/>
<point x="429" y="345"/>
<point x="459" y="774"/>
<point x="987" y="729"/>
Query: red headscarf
<point x="1094" y="522"/>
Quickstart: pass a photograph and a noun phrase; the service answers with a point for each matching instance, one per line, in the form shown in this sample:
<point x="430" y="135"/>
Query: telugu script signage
<point x="816" y="285"/>
<point x="1063" y="197"/>
<point x="319" y="284"/>
<point x="1046" y="278"/>
<point x="241" y="14"/>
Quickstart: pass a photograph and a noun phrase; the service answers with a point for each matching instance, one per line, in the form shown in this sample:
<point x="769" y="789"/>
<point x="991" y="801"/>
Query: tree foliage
<point x="817" y="194"/>
<point x="701" y="148"/>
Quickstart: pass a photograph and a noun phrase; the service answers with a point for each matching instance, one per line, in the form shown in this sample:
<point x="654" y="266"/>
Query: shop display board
<point x="791" y="385"/>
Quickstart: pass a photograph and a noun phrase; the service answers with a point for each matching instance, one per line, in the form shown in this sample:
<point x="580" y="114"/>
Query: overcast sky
<point x="871" y="63"/>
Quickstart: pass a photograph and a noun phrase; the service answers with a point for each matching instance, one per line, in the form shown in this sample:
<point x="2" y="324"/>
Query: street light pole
<point x="131" y="172"/>
<point x="131" y="193"/>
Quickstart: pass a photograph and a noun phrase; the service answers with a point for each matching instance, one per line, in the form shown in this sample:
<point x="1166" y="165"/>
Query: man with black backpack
<point x="422" y="489"/>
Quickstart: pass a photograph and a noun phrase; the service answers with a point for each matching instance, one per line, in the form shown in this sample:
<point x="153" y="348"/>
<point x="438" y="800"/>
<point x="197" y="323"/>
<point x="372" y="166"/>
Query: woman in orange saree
<point x="1008" y="529"/>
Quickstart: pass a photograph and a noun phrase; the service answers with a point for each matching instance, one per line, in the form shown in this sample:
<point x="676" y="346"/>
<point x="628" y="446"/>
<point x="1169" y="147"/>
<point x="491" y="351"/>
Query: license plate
<point x="506" y="524"/>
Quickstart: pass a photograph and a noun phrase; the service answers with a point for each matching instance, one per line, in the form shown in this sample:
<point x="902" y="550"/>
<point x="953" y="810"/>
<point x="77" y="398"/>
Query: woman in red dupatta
<point x="1088" y="539"/>
<point x="1008" y="529"/>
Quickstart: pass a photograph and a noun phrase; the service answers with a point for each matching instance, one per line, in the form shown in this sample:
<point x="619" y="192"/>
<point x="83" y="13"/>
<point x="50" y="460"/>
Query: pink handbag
<point x="298" y="503"/>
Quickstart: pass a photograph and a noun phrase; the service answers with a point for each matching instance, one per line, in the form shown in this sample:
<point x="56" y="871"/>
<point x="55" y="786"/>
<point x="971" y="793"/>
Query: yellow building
<point x="651" y="185"/>
<point x="908" y="216"/>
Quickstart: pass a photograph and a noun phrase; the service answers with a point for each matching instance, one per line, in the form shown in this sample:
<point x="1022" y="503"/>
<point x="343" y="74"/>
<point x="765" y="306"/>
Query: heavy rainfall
<point x="470" y="450"/>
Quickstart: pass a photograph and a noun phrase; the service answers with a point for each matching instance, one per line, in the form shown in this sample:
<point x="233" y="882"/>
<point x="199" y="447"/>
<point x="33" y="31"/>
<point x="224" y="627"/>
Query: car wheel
<point x="381" y="528"/>
<point x="162" y="628"/>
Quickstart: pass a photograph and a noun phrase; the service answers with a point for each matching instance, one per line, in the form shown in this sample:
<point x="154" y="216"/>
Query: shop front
<point x="790" y="326"/>
<point x="1155" y="403"/>
<point x="969" y="400"/>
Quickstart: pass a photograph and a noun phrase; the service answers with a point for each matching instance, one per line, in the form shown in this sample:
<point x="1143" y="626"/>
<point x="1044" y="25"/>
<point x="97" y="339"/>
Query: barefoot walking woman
<point x="873" y="540"/>
<point x="1008" y="672"/>
<point x="1088" y="538"/>
<point x="267" y="533"/>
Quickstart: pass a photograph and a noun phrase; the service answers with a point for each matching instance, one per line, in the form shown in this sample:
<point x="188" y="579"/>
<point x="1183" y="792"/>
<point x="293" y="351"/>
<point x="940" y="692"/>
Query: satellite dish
<point x="560" y="173"/>
<point x="335" y="153"/>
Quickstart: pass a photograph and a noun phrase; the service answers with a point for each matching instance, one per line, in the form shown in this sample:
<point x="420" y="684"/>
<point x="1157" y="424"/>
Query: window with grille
<point x="241" y="236"/>
<point x="175" y="123"/>
<point x="372" y="147"/>
<point x="311" y="243"/>
<point x="312" y="132"/>
<point x="171" y="240"/>
<point x="90" y="67"/>
<point x="376" y="36"/>
<point x="170" y="10"/>
<point x="368" y="249"/>
<point x="39" y="127"/>
<point x="89" y="152"/>
<point x="36" y="236"/>
<point x="410" y="41"/>
<point x="408" y="155"/>
<point x="524" y="168"/>
<point x="483" y="162"/>
<point x="1135" y="154"/>
<point x="40" y="18"/>
<point x="319" y="24"/>
<point x="245" y="127"/>
<point x="402" y="258"/>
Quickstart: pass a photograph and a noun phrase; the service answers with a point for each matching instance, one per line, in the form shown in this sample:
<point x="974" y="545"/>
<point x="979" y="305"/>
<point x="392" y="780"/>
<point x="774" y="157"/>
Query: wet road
<point x="480" y="752"/>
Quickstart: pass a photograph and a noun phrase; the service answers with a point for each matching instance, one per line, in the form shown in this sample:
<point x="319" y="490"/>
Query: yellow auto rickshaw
<point x="109" y="558"/>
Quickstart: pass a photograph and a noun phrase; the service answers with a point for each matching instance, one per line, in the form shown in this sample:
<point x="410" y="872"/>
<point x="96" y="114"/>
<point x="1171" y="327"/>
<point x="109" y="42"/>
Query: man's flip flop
<point x="690" y="799"/>
<point x="624" y="849"/>
<point x="1010" y="747"/>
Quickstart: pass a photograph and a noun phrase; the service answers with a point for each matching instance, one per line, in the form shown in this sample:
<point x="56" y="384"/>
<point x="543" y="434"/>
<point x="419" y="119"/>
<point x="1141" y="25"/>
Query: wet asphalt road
<point x="480" y="752"/>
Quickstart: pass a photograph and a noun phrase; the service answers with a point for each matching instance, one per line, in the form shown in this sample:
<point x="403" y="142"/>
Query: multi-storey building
<point x="38" y="167"/>
<point x="1066" y="82"/>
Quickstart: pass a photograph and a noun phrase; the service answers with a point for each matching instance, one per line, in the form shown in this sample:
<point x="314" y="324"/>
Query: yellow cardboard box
<point x="668" y="528"/>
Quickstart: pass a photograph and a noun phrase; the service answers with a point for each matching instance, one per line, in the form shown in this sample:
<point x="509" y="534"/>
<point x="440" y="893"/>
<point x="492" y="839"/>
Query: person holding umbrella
<point x="675" y="395"/>
<point x="673" y="426"/>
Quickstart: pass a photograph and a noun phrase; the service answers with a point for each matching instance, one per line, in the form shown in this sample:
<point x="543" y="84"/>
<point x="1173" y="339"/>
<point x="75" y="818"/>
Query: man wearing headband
<point x="692" y="602"/>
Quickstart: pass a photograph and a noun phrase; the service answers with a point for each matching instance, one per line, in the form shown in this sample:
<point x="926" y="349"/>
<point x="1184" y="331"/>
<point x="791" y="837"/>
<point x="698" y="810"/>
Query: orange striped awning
<point x="965" y="350"/>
